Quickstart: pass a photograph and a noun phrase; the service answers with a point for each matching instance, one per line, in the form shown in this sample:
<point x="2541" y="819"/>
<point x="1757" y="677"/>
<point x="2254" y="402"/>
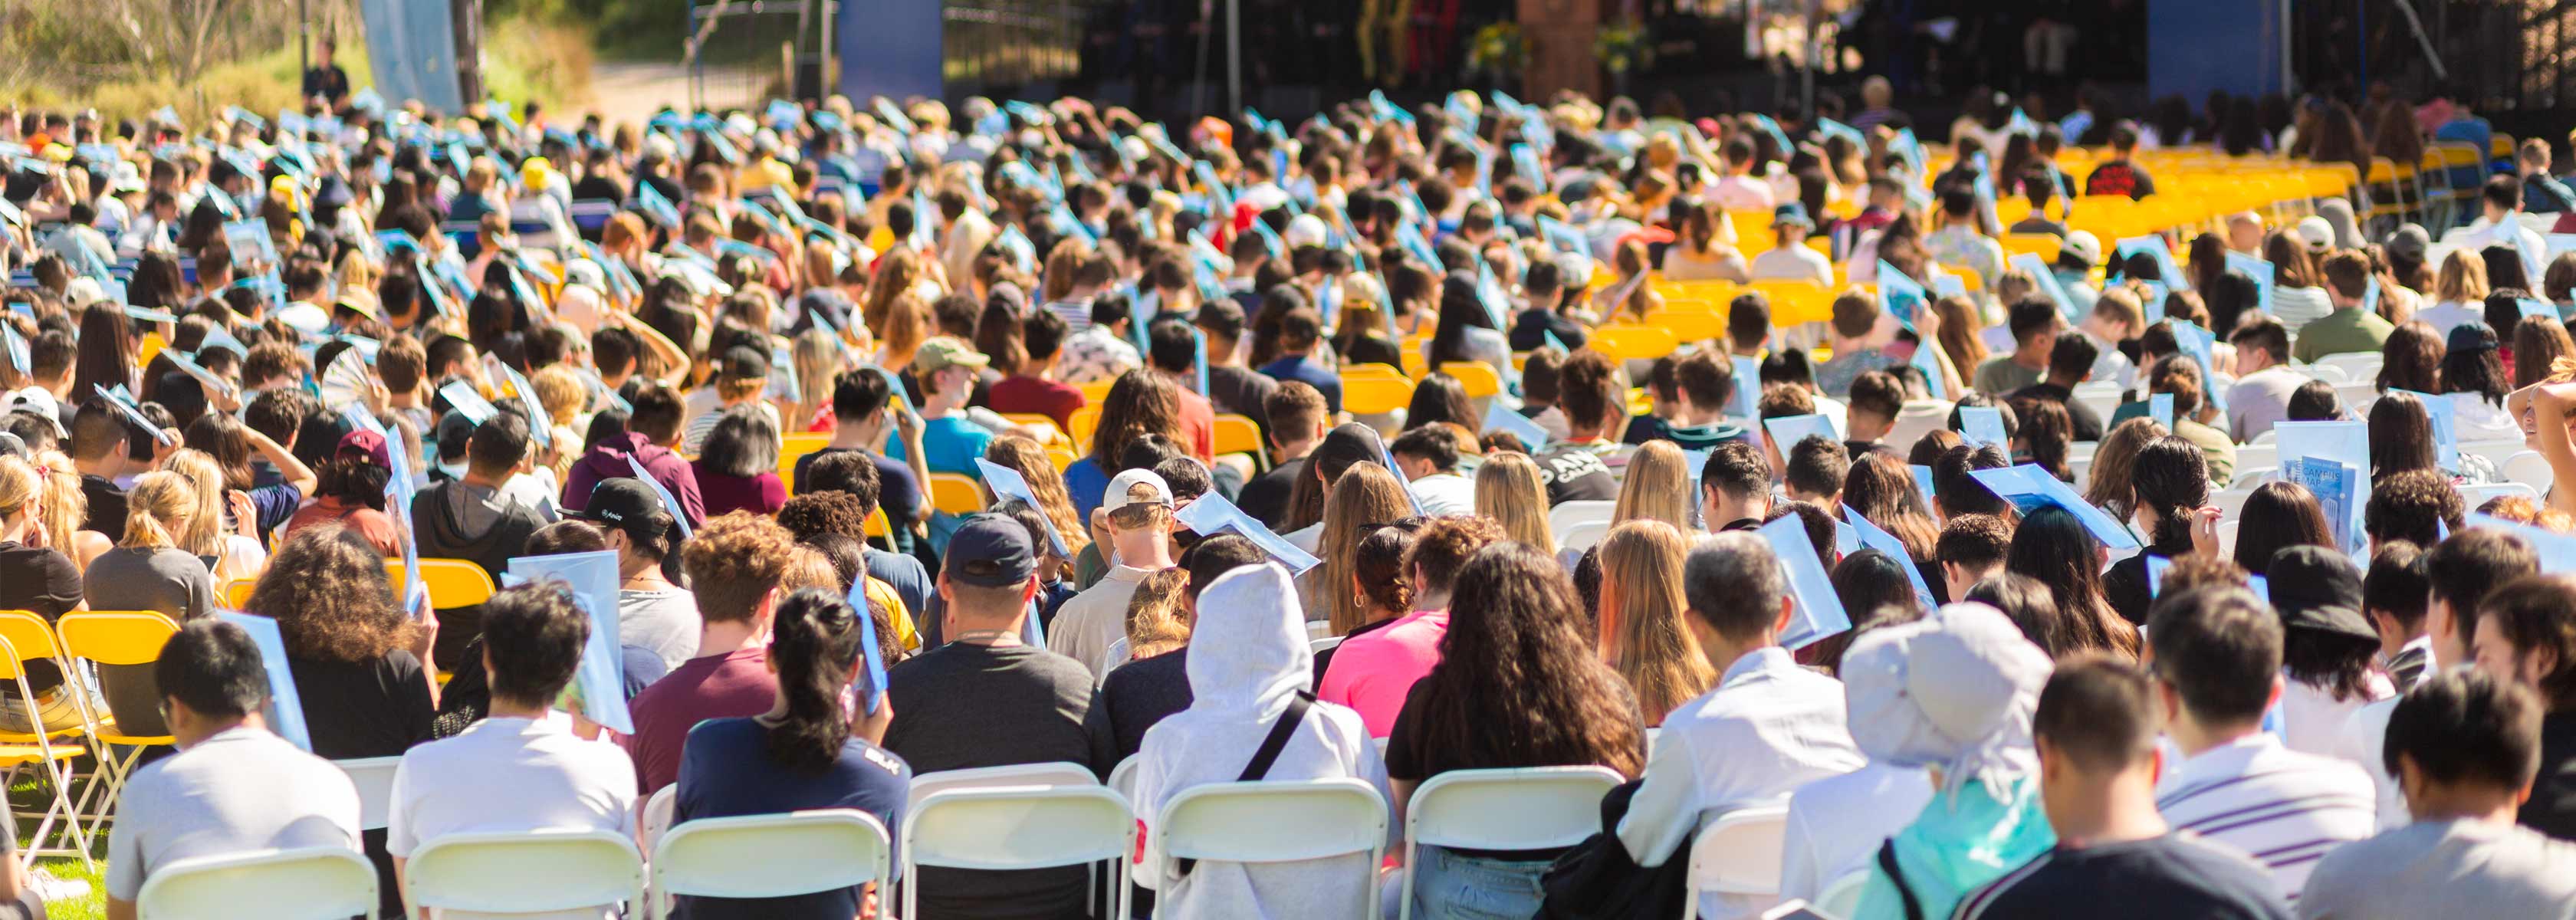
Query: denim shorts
<point x="1448" y="886"/>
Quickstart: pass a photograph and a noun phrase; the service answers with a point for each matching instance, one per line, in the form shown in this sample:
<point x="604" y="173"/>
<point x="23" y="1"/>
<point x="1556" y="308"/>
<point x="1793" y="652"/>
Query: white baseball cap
<point x="1117" y="496"/>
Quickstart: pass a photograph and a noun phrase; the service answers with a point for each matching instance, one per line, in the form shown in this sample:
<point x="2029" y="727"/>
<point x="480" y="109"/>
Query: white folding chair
<point x="313" y="883"/>
<point x="1052" y="773"/>
<point x="771" y="856"/>
<point x="1581" y="536"/>
<point x="1325" y="644"/>
<point x="2473" y="496"/>
<point x="1018" y="827"/>
<point x="2357" y="395"/>
<point x="2497" y="451"/>
<point x="2102" y="397"/>
<point x="2528" y="468"/>
<point x="1122" y="778"/>
<point x="2268" y="436"/>
<point x="1739" y="853"/>
<point x="1841" y="897"/>
<point x="2227" y="536"/>
<point x="1523" y="809"/>
<point x="2358" y="365"/>
<point x="2231" y="502"/>
<point x="1564" y="516"/>
<point x="2254" y="475"/>
<point x="2256" y="457"/>
<point x="521" y="872"/>
<point x="2326" y="372"/>
<point x="654" y="819"/>
<point x="374" y="777"/>
<point x="1298" y="820"/>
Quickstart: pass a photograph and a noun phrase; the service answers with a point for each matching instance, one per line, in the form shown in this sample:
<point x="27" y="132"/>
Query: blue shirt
<point x="1085" y="482"/>
<point x="949" y="444"/>
<point x="726" y="771"/>
<point x="1297" y="368"/>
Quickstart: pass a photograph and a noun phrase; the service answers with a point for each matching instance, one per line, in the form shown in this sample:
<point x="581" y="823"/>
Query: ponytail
<point x="814" y="644"/>
<point x="157" y="500"/>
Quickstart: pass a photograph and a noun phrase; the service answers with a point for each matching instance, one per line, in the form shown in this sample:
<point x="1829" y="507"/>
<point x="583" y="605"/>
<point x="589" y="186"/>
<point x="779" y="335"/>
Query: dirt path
<point x="631" y="91"/>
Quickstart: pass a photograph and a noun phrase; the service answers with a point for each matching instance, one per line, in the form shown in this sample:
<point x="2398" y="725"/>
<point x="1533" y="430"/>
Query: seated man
<point x="2465" y="745"/>
<point x="734" y="569"/>
<point x="232" y="789"/>
<point x="521" y="768"/>
<point x="1768" y="727"/>
<point x="2070" y="362"/>
<point x="1734" y="487"/>
<point x="1429" y="458"/>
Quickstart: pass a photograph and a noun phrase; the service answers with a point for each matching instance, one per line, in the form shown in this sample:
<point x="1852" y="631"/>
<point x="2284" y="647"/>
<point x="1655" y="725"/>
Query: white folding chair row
<point x="771" y="856"/>
<point x="2327" y="372"/>
<point x="1053" y="773"/>
<point x="2256" y="456"/>
<point x="1018" y="827"/>
<point x="1512" y="809"/>
<point x="1738" y="853"/>
<point x="314" y="883"/>
<point x="2528" y="468"/>
<point x="2358" y="365"/>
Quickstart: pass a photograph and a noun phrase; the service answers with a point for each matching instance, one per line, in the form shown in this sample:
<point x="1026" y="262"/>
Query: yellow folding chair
<point x="452" y="582"/>
<point x="1236" y="434"/>
<point x="1374" y="394"/>
<point x="1040" y="424"/>
<point x="115" y="637"/>
<point x="1476" y="377"/>
<point x="956" y="493"/>
<point x="1084" y="421"/>
<point x="237" y="591"/>
<point x="1096" y="390"/>
<point x="794" y="447"/>
<point x="51" y="758"/>
<point x="1624" y="342"/>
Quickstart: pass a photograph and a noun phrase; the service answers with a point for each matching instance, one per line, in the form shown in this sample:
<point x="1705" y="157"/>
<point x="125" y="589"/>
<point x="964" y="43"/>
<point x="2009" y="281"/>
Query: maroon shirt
<point x="732" y="686"/>
<point x="1030" y="394"/>
<point x="762" y="494"/>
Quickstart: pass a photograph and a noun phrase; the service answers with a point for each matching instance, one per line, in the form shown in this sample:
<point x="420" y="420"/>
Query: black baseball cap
<point x="624" y="503"/>
<point x="2316" y="588"/>
<point x="743" y="362"/>
<point x="991" y="551"/>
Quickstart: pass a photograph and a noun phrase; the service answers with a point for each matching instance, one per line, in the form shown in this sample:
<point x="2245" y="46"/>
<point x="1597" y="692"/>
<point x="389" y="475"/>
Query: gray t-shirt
<point x="2438" y="868"/>
<point x="236" y="792"/>
<point x="665" y="622"/>
<point x="171" y="581"/>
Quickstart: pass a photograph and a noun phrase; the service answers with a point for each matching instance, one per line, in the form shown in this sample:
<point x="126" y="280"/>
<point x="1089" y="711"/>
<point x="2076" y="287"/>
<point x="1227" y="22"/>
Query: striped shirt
<point x="2284" y="808"/>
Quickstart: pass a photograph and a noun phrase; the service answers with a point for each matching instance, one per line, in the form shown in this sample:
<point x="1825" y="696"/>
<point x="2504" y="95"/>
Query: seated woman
<point x="810" y="751"/>
<point x="1517" y="686"/>
<point x="148" y="571"/>
<point x="1248" y="668"/>
<point x="738" y="471"/>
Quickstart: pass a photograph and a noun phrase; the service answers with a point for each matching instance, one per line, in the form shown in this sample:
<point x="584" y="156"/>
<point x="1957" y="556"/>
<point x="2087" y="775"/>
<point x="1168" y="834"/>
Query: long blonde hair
<point x="1508" y="491"/>
<point x="1023" y="454"/>
<point x="907" y="325"/>
<point x="160" y="502"/>
<point x="817" y="358"/>
<point x="1154" y="623"/>
<point x="2463" y="279"/>
<point x="1642" y="635"/>
<point x="1657" y="488"/>
<point x="53" y="487"/>
<point x="1365" y="494"/>
<point x="204" y="534"/>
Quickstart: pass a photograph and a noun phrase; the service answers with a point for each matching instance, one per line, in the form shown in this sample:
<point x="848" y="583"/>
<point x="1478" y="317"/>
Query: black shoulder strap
<point x="1280" y="731"/>
<point x="1887" y="864"/>
<point x="1268" y="753"/>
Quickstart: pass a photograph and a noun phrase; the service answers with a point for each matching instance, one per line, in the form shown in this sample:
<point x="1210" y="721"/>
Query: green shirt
<point x="1999" y="375"/>
<point x="2347" y="329"/>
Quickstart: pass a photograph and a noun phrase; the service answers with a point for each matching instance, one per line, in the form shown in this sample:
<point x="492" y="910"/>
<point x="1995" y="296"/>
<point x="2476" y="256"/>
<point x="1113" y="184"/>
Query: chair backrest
<point x="1017" y="827"/>
<point x="1122" y="778"/>
<point x="524" y="871"/>
<point x="1299" y="820"/>
<point x="1841" y="897"/>
<point x="1049" y="774"/>
<point x="2498" y="451"/>
<point x="956" y="493"/>
<point x="1320" y="646"/>
<point x="2528" y="468"/>
<point x="1582" y="535"/>
<point x="29" y="635"/>
<point x="454" y="583"/>
<point x="115" y="636"/>
<point x="1513" y="809"/>
<point x="1739" y="852"/>
<point x="1476" y="377"/>
<point x="237" y="591"/>
<point x="314" y="883"/>
<point x="654" y="819"/>
<point x="374" y="777"/>
<point x="1237" y="434"/>
<point x="1567" y="514"/>
<point x="770" y="856"/>
<point x="2255" y="456"/>
<point x="2473" y="496"/>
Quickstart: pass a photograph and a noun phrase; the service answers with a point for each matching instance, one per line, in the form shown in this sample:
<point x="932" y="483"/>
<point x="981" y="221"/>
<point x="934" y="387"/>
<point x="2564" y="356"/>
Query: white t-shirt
<point x="1444" y="494"/>
<point x="235" y="792"/>
<point x="504" y="775"/>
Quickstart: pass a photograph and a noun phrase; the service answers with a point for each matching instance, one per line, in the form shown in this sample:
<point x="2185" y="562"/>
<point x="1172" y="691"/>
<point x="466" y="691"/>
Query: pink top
<point x="1373" y="672"/>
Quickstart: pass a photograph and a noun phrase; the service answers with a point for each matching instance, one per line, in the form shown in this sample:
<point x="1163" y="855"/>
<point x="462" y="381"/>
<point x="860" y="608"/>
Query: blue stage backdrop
<point x="2194" y="46"/>
<point x="890" y="48"/>
<point x="412" y="46"/>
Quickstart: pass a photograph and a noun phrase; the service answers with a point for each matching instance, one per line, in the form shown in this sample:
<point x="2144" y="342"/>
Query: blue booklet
<point x="1819" y="611"/>
<point x="2030" y="488"/>
<point x="284" y="710"/>
<point x="599" y="685"/>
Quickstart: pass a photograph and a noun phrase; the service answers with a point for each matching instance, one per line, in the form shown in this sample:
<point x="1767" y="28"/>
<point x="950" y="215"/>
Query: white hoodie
<point x="1248" y="657"/>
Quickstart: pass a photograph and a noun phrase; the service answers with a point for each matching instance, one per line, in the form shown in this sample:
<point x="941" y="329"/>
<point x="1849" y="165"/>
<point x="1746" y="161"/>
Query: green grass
<point x="28" y="799"/>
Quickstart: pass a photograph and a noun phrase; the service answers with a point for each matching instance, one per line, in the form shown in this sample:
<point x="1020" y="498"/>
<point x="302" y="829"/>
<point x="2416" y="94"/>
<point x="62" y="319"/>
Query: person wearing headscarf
<point x="2338" y="215"/>
<point x="1248" y="661"/>
<point x="1952" y="693"/>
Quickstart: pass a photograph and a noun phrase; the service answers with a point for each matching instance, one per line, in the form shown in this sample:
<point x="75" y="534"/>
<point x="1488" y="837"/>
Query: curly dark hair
<point x="1518" y="685"/>
<point x="327" y="590"/>
<point x="816" y="513"/>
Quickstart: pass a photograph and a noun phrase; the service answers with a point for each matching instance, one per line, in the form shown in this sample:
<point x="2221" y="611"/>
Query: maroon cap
<point x="367" y="444"/>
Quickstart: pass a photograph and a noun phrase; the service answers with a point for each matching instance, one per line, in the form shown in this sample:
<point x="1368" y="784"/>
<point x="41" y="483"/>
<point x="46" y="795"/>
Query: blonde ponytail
<point x="158" y="501"/>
